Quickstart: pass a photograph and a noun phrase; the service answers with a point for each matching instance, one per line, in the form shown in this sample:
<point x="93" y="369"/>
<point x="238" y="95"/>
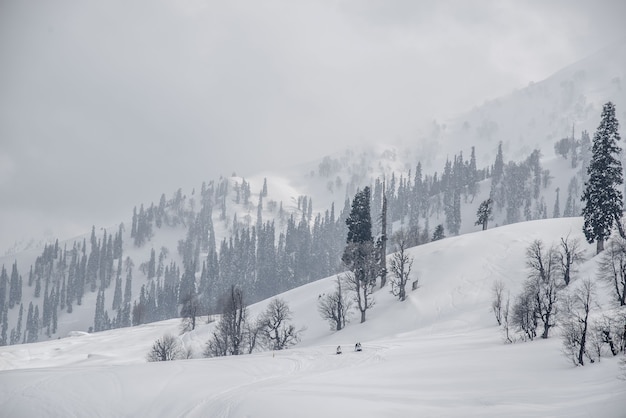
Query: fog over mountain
<point x="105" y="106"/>
<point x="181" y="171"/>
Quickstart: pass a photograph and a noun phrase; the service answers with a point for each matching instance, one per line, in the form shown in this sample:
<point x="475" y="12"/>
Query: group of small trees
<point x="550" y="298"/>
<point x="236" y="334"/>
<point x="365" y="260"/>
<point x="549" y="271"/>
<point x="588" y="334"/>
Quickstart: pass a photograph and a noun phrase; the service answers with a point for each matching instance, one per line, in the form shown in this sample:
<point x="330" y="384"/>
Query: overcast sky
<point x="105" y="105"/>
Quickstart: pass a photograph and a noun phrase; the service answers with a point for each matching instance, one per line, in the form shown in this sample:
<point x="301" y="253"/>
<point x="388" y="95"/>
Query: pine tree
<point x="585" y="155"/>
<point x="15" y="337"/>
<point x="556" y="213"/>
<point x="117" y="294"/>
<point x="383" y="243"/>
<point x="484" y="213"/>
<point x="4" y="279"/>
<point x="14" y="287"/>
<point x="472" y="175"/>
<point x="359" y="222"/>
<point x="603" y="199"/>
<point x="360" y="254"/>
<point x="571" y="209"/>
<point x="99" y="322"/>
<point x="498" y="167"/>
<point x="5" y="326"/>
<point x="152" y="265"/>
<point x="438" y="233"/>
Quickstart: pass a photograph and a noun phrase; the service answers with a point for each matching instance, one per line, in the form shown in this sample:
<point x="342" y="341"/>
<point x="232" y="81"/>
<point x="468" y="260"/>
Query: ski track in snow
<point x="302" y="364"/>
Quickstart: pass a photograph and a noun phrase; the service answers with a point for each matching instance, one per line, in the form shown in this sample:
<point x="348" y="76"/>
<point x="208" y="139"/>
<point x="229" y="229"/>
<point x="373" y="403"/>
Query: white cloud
<point x="129" y="100"/>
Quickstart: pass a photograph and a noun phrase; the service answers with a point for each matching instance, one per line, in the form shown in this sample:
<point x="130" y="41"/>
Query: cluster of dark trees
<point x="254" y="257"/>
<point x="414" y="198"/>
<point x="59" y="278"/>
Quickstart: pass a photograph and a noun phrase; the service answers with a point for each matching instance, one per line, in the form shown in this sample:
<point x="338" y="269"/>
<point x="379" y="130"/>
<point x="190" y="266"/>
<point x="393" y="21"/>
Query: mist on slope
<point x="107" y="106"/>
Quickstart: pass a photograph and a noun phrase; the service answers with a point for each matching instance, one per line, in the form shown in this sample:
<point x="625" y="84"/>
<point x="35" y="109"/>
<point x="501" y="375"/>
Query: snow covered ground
<point x="438" y="354"/>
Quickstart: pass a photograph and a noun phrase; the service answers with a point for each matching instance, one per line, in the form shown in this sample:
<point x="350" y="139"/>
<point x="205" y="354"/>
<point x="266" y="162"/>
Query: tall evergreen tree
<point x="15" y="289"/>
<point x="484" y="213"/>
<point x="603" y="198"/>
<point x="4" y="279"/>
<point x="383" y="243"/>
<point x="360" y="222"/>
<point x="16" y="333"/>
<point x="4" y="340"/>
<point x="360" y="254"/>
<point x="152" y="265"/>
<point x="556" y="213"/>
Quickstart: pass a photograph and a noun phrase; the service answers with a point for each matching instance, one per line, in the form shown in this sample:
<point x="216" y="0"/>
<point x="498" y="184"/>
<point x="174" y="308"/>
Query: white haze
<point x="105" y="105"/>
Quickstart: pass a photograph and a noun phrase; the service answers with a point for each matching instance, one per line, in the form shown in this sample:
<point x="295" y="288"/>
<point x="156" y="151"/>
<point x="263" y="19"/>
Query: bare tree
<point x="361" y="259"/>
<point x="276" y="327"/>
<point x="524" y="316"/>
<point x="542" y="283"/>
<point x="569" y="255"/>
<point x="576" y="323"/>
<point x="166" y="348"/>
<point x="400" y="266"/>
<point x="612" y="268"/>
<point x="610" y="331"/>
<point x="334" y="307"/>
<point x="496" y="305"/>
<point x="253" y="332"/>
<point x="506" y="317"/>
<point x="228" y="338"/>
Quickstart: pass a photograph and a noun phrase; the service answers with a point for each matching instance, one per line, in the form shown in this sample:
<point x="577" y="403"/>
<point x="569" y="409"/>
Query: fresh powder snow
<point x="440" y="353"/>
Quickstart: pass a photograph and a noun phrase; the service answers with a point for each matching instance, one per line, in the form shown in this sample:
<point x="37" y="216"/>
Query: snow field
<point x="437" y="354"/>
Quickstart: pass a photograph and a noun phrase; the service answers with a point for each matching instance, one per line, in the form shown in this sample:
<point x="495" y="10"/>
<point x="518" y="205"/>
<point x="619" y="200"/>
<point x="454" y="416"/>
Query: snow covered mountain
<point x="439" y="353"/>
<point x="532" y="118"/>
<point x="537" y="116"/>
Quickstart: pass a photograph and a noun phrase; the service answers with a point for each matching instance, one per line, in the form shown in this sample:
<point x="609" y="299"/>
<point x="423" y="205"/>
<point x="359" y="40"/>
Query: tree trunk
<point x="599" y="245"/>
<point x="383" y="249"/>
<point x="583" y="341"/>
<point x="620" y="228"/>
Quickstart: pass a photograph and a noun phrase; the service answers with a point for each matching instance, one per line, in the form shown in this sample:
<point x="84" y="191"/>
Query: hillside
<point x="439" y="353"/>
<point x="537" y="116"/>
<point x="534" y="117"/>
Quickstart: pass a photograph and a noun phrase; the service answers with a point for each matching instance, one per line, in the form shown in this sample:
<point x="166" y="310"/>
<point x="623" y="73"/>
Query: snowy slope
<point x="536" y="116"/>
<point x="437" y="354"/>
